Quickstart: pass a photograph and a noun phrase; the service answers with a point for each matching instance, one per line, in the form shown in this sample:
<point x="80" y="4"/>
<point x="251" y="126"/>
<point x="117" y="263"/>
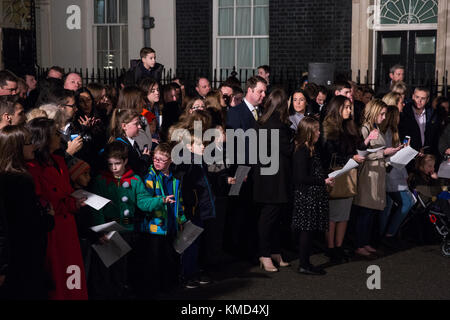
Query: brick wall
<point x="310" y="31"/>
<point x="194" y="35"/>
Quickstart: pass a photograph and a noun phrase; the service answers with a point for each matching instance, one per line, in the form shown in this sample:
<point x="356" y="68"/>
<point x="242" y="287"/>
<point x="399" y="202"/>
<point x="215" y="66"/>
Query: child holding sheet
<point x="127" y="193"/>
<point x="157" y="229"/>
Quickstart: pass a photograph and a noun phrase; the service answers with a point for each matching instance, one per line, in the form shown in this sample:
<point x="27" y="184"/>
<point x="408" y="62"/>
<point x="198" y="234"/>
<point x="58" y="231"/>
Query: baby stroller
<point x="434" y="202"/>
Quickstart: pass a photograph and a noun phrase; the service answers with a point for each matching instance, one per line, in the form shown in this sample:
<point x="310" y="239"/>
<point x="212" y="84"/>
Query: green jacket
<point x="126" y="194"/>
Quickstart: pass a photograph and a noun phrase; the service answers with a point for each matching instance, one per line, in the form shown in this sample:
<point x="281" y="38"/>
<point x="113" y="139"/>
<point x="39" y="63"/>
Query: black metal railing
<point x="288" y="78"/>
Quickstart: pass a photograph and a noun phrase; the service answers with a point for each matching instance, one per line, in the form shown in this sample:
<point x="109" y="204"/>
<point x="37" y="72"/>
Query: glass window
<point x="99" y="11"/>
<point x="110" y="23"/>
<point x="392" y="46"/>
<point x="123" y="11"/>
<point x="425" y="45"/>
<point x="226" y="23"/>
<point x="408" y="11"/>
<point x="242" y="34"/>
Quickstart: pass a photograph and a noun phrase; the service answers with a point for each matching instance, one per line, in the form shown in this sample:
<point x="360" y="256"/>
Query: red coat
<point x="63" y="249"/>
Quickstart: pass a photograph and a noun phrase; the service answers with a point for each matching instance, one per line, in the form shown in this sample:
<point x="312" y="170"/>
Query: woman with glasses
<point x="52" y="183"/>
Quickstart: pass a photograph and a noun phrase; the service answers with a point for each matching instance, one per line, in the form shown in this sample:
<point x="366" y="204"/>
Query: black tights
<point x="305" y="246"/>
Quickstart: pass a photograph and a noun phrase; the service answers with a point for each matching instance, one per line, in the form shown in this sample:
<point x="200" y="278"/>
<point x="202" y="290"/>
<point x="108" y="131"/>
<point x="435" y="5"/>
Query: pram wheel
<point x="446" y="248"/>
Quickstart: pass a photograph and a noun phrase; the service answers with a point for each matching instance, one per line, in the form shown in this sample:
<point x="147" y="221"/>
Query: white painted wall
<point x="163" y="36"/>
<point x="135" y="31"/>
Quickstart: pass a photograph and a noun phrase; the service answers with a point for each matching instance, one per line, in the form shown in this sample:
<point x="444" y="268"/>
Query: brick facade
<point x="310" y="31"/>
<point x="300" y="32"/>
<point x="194" y="35"/>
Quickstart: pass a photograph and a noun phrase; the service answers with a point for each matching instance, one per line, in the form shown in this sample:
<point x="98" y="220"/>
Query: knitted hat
<point x="77" y="167"/>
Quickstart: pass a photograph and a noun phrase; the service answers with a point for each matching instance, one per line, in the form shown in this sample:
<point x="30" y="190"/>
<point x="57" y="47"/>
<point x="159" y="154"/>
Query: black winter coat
<point x="24" y="239"/>
<point x="275" y="188"/>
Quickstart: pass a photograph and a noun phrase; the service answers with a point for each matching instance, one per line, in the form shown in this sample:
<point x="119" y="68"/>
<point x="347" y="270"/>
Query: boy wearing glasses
<point x="127" y="194"/>
<point x="158" y="229"/>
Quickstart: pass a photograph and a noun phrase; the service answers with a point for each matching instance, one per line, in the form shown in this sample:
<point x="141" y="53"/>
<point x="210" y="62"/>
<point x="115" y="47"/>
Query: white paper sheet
<point x="241" y="173"/>
<point x="93" y="200"/>
<point x="403" y="157"/>
<point x="113" y="250"/>
<point x="444" y="170"/>
<point x="351" y="164"/>
<point x="108" y="227"/>
<point x="186" y="237"/>
<point x="363" y="153"/>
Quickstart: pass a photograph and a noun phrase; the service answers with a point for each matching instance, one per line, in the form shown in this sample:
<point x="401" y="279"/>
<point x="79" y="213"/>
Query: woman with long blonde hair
<point x="394" y="99"/>
<point x="371" y="197"/>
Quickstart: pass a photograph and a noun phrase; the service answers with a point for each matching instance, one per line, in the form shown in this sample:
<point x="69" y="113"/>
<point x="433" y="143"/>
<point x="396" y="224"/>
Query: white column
<point x="135" y="31"/>
<point x="163" y="36"/>
<point x="443" y="40"/>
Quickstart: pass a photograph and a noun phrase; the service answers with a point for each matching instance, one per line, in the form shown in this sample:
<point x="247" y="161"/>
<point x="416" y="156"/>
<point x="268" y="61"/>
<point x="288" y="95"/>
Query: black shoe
<point x="334" y="255"/>
<point x="204" y="280"/>
<point x="343" y="256"/>
<point x="311" y="270"/>
<point x="191" y="284"/>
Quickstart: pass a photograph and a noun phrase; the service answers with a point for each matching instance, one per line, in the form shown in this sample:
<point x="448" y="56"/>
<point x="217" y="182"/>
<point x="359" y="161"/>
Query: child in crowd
<point x="424" y="177"/>
<point x="80" y="177"/>
<point x="125" y="125"/>
<point x="199" y="207"/>
<point x="158" y="229"/>
<point x="127" y="193"/>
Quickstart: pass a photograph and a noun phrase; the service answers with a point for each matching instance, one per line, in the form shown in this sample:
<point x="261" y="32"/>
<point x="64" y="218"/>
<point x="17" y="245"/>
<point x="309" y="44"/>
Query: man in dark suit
<point x="396" y="73"/>
<point x="420" y="122"/>
<point x="242" y="216"/>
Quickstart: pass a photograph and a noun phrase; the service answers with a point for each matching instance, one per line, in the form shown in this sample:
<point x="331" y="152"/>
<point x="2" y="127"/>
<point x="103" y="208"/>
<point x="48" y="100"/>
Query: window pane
<point x="243" y="21"/>
<point x="225" y="22"/>
<point x="261" y="52"/>
<point x="425" y="45"/>
<point x="226" y="3"/>
<point x="244" y="3"/>
<point x="125" y="62"/>
<point x="227" y="53"/>
<point x="102" y="38"/>
<point x="245" y="53"/>
<point x="101" y="59"/>
<point x="261" y="2"/>
<point x="114" y="59"/>
<point x="111" y="8"/>
<point x="123" y="11"/>
<point x="99" y="11"/>
<point x="391" y="46"/>
<point x="114" y="38"/>
<point x="261" y="21"/>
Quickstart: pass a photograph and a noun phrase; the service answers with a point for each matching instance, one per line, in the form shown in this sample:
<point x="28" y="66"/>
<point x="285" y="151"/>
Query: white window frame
<point x="108" y="24"/>
<point x="391" y="27"/>
<point x="217" y="38"/>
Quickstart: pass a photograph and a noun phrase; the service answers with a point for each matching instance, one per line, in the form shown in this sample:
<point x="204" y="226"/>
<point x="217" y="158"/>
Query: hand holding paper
<point x="403" y="157"/>
<point x="351" y="164"/>
<point x="92" y="200"/>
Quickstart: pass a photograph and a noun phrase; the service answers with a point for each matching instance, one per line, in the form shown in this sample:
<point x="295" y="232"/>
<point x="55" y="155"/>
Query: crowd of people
<point x="59" y="135"/>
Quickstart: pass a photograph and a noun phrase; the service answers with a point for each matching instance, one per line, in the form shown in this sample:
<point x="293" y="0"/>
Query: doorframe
<point x="378" y="27"/>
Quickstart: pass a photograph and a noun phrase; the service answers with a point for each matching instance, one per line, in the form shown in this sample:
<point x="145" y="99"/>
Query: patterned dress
<point x="311" y="204"/>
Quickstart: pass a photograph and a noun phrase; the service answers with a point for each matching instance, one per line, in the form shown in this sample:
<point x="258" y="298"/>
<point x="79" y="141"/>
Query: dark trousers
<point x="269" y="228"/>
<point x="213" y="235"/>
<point x="158" y="265"/>
<point x="364" y="226"/>
<point x="190" y="257"/>
<point x="305" y="246"/>
<point x="116" y="281"/>
<point x="242" y="223"/>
